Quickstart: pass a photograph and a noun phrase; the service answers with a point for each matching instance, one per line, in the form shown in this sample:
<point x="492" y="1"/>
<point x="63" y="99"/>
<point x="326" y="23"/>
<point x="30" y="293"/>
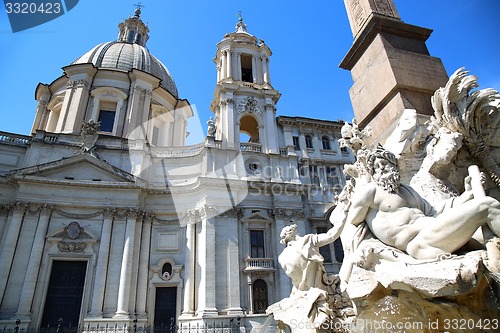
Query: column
<point x="238" y="66"/>
<point x="126" y="269"/>
<point x="265" y="70"/>
<point x="76" y="107"/>
<point x="287" y="133"/>
<point x="28" y="290"/>
<point x="316" y="143"/>
<point x="189" y="263"/>
<point x="41" y="113"/>
<point x="272" y="133"/>
<point x="101" y="269"/>
<point x="227" y="110"/>
<point x="254" y="69"/>
<point x="233" y="274"/>
<point x="133" y="111"/>
<point x="206" y="251"/>
<point x="302" y="142"/>
<point x="268" y="71"/>
<point x="9" y="246"/>
<point x="223" y="70"/>
<point x="250" y="294"/>
<point x="142" y="281"/>
<point x="229" y="64"/>
<point x="260" y="71"/>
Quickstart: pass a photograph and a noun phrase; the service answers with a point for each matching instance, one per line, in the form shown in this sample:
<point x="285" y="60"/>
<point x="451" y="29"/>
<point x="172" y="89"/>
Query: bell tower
<point x="244" y="100"/>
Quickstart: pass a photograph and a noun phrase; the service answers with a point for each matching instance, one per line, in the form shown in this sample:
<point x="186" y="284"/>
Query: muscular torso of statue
<point x="394" y="218"/>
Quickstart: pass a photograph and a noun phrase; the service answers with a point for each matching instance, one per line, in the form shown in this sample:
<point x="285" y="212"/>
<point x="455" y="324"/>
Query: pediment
<point x="82" y="168"/>
<point x="256" y="217"/>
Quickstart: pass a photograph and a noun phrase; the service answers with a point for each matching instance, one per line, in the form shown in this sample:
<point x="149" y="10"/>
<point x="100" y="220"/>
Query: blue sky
<point x="308" y="40"/>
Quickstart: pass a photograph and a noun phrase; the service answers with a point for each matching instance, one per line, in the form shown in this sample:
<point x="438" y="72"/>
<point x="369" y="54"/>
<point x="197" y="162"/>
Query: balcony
<point x="259" y="264"/>
<point x="251" y="146"/>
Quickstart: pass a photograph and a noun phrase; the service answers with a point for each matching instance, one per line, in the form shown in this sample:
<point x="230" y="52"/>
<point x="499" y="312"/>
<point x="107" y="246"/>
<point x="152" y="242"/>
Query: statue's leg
<point x="451" y="229"/>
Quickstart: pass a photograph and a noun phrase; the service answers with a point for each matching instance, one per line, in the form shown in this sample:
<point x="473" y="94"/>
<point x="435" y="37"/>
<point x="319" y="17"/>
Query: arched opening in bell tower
<point x="246" y="68"/>
<point x="249" y="129"/>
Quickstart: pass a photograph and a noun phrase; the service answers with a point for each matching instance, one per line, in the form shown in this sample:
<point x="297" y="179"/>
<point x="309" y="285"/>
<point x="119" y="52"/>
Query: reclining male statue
<point x="399" y="217"/>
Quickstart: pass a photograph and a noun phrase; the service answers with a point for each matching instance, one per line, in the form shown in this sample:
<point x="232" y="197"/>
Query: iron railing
<point x="224" y="326"/>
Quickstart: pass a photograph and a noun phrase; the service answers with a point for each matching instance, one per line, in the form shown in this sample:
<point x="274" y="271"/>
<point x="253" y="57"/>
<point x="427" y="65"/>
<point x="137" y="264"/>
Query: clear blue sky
<point x="308" y="40"/>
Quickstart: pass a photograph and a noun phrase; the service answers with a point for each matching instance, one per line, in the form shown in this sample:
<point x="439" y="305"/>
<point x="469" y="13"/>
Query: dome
<point x="126" y="56"/>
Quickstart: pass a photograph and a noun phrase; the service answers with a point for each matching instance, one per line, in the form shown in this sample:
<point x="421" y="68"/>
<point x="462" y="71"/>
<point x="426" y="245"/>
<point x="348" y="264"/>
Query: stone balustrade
<point x="251" y="146"/>
<point x="259" y="264"/>
<point x="14" y="138"/>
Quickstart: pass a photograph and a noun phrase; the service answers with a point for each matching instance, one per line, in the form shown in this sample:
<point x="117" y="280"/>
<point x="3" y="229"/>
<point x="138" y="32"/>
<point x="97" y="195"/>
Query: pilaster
<point x="9" y="245"/>
<point x="143" y="278"/>
<point x="102" y="265"/>
<point x="122" y="310"/>
<point x="207" y="284"/>
<point x="28" y="290"/>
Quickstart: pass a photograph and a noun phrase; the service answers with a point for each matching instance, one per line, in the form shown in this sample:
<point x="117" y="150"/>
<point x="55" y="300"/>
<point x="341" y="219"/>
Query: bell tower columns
<point x="244" y="101"/>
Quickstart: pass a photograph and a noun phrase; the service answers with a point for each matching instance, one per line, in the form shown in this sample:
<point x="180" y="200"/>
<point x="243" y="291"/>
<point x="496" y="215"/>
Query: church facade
<point x="108" y="219"/>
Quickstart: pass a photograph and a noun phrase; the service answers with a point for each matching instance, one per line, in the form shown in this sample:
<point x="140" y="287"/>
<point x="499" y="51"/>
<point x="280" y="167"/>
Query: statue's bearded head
<point x="288" y="233"/>
<point x="383" y="166"/>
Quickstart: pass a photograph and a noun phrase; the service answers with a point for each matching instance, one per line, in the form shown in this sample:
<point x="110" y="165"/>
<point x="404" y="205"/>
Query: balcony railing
<point x="251" y="146"/>
<point x="259" y="264"/>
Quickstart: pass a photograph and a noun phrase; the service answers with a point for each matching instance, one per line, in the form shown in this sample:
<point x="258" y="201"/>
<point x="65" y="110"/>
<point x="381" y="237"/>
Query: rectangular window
<point x="332" y="178"/>
<point x="296" y="144"/>
<point x="257" y="244"/>
<point x="313" y="172"/>
<point x="325" y="141"/>
<point x="301" y="168"/>
<point x="107" y="115"/>
<point x="107" y="120"/>
<point x="156" y="136"/>
<point x="309" y="142"/>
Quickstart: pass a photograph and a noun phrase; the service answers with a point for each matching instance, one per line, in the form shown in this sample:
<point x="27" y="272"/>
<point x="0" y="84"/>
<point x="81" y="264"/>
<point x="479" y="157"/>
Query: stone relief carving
<point x="71" y="247"/>
<point x="77" y="84"/>
<point x="249" y="105"/>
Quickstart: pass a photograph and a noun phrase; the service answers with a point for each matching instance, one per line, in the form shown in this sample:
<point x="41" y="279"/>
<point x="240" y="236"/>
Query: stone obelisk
<point x="390" y="65"/>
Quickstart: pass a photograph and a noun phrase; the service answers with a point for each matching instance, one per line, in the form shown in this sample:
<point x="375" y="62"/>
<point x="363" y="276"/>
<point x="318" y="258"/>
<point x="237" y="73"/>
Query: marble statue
<point x="472" y="113"/>
<point x="315" y="302"/>
<point x="398" y="216"/>
<point x="431" y="181"/>
<point x="89" y="135"/>
<point x="211" y="127"/>
<point x="407" y="244"/>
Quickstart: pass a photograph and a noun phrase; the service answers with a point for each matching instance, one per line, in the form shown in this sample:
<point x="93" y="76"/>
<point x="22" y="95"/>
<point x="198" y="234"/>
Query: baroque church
<point x="109" y="220"/>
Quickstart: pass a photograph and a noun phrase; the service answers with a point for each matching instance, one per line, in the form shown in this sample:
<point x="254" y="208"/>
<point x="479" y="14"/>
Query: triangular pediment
<point x="256" y="217"/>
<point x="81" y="168"/>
